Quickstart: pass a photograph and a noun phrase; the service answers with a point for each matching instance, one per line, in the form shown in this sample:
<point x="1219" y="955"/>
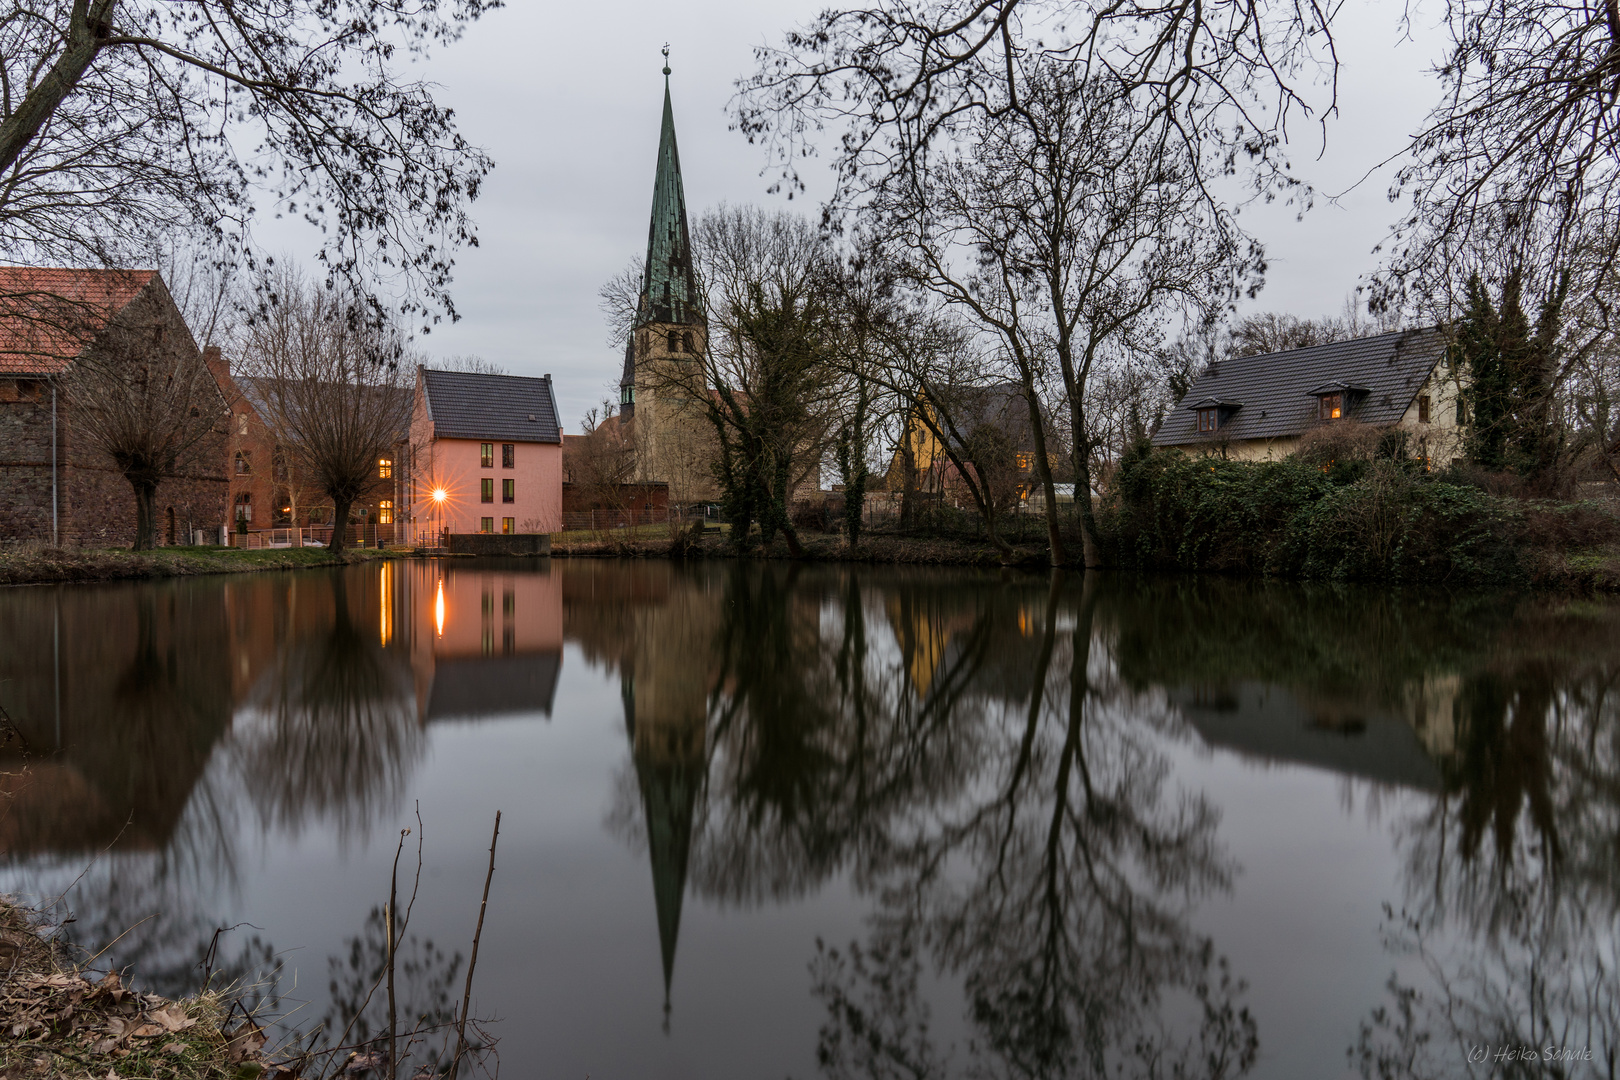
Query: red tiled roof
<point x="48" y="316"/>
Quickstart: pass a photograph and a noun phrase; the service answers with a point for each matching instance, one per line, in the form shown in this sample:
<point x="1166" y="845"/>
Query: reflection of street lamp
<point x="439" y="495"/>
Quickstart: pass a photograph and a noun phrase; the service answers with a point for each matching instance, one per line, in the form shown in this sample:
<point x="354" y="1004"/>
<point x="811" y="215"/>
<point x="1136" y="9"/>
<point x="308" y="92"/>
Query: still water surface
<point x="766" y="821"/>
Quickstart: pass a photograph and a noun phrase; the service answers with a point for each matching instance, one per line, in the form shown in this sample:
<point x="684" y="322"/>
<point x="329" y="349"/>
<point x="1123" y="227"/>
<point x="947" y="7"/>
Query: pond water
<point x="774" y="820"/>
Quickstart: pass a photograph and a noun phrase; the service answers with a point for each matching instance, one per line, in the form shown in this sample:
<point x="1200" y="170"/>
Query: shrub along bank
<point x="1378" y="520"/>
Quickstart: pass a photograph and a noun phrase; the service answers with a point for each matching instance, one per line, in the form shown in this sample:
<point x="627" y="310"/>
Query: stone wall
<point x="499" y="543"/>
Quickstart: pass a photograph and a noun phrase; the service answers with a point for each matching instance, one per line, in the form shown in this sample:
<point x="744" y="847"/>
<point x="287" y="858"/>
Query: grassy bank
<point x="65" y="1021"/>
<point x="818" y="547"/>
<point x="33" y="565"/>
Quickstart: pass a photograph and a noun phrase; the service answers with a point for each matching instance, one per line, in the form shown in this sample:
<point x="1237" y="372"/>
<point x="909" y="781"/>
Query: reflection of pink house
<point x="484" y="643"/>
<point x="487" y="454"/>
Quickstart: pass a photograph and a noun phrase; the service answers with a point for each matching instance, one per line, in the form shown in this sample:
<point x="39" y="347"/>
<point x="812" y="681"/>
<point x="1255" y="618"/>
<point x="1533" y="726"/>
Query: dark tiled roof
<point x="1000" y="406"/>
<point x="1274" y="389"/>
<point x="479" y="688"/>
<point x="259" y="395"/>
<point x="468" y="406"/>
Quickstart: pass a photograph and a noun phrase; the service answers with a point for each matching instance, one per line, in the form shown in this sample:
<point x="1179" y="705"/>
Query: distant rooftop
<point x="1270" y="396"/>
<point x="516" y="408"/>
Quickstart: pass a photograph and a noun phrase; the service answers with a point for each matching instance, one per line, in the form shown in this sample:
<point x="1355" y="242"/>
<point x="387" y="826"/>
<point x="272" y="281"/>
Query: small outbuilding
<point x="1260" y="407"/>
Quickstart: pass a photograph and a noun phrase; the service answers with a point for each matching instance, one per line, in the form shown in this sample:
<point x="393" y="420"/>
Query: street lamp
<point x="439" y="495"/>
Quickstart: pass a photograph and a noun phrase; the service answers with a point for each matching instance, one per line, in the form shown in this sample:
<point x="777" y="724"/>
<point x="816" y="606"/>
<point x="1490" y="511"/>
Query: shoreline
<point x="59" y="566"/>
<point x="1594" y="570"/>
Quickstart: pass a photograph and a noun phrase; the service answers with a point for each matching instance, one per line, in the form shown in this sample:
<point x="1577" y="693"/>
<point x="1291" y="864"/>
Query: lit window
<point x="1026" y="461"/>
<point x="509" y="526"/>
<point x="1423" y="408"/>
<point x="385" y="512"/>
<point x="508" y="491"/>
<point x="508" y="455"/>
<point x="385" y="468"/>
<point x="486" y="455"/>
<point x="1331" y="407"/>
<point x="486" y="490"/>
<point x="1209" y="419"/>
<point x="486" y="525"/>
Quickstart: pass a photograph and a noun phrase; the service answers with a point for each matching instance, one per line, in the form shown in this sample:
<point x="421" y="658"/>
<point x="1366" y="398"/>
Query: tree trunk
<point x="1043" y="466"/>
<point x="908" y="490"/>
<point x="145" y="513"/>
<point x="87" y="25"/>
<point x="340" y="522"/>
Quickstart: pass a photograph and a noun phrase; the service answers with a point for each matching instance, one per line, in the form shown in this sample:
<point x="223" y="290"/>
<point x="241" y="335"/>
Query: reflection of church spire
<point x="669" y="771"/>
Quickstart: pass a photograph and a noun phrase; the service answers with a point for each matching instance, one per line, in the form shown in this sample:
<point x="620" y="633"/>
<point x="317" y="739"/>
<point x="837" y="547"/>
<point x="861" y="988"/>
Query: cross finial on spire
<point x="666" y="58"/>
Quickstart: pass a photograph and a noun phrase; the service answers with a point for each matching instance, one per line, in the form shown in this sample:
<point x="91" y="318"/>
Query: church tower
<point x="661" y="389"/>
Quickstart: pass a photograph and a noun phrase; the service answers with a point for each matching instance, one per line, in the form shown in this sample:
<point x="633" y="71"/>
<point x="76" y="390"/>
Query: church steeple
<point x="669" y="284"/>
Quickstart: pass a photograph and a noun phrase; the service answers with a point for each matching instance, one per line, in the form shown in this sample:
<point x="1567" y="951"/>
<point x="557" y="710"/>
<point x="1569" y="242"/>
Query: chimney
<point x="217" y="364"/>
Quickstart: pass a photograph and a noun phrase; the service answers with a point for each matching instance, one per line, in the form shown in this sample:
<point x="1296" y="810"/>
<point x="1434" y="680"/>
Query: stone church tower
<point x="663" y="389"/>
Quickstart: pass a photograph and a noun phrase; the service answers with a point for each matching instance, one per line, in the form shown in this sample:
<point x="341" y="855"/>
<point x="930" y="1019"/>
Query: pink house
<point x="486" y="454"/>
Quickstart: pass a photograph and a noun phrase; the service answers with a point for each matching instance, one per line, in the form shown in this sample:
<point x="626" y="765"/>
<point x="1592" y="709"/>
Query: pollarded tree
<point x="140" y="394"/>
<point x="126" y="122"/>
<point x="334" y="387"/>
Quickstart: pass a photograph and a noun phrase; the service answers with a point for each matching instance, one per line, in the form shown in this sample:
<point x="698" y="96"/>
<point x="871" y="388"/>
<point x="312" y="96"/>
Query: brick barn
<point x="56" y="488"/>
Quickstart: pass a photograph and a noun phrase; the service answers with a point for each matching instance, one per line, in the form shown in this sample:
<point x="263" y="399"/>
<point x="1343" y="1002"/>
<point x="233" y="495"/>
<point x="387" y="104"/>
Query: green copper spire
<point x="668" y="285"/>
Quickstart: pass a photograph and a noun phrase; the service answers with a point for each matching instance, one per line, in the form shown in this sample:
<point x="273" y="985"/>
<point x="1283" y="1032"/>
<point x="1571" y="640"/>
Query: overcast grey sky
<point x="567" y="98"/>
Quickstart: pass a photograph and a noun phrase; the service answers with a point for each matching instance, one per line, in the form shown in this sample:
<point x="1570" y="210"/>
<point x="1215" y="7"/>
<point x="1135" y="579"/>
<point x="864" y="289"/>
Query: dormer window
<point x="1334" y="399"/>
<point x="1214" y="414"/>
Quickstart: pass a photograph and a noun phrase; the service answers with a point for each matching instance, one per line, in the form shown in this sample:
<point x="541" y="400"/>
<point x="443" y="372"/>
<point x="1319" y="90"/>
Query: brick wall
<point x="96" y="505"/>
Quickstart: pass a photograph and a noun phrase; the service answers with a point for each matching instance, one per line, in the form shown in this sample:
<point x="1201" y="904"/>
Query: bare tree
<point x="140" y="394"/>
<point x="894" y="79"/>
<point x="601" y="460"/>
<point x="764" y="381"/>
<point x="119" y="122"/>
<point x="619" y="299"/>
<point x="1067" y="228"/>
<point x="336" y="389"/>
<point x="1525" y="138"/>
<point x="473" y="365"/>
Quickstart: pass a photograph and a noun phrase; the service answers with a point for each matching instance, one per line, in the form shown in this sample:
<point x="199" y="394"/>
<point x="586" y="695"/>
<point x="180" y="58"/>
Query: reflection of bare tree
<point x="425" y="984"/>
<point x="331" y="732"/>
<point x="820" y="743"/>
<point x="986" y="776"/>
<point x="1065" y="914"/>
<point x="1513" y="871"/>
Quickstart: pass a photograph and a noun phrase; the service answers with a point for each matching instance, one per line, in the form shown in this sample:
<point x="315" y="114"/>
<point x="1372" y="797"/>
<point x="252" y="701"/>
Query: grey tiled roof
<point x="518" y="408"/>
<point x="1273" y="390"/>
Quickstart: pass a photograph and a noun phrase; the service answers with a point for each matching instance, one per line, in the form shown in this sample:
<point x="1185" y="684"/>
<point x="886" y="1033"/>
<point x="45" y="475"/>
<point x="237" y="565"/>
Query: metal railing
<point x="369" y="534"/>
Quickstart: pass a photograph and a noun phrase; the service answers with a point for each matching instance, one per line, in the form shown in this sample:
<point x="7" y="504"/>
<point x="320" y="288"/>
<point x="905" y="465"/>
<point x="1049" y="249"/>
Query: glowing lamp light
<point x="438" y="609"/>
<point x="439" y="495"/>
